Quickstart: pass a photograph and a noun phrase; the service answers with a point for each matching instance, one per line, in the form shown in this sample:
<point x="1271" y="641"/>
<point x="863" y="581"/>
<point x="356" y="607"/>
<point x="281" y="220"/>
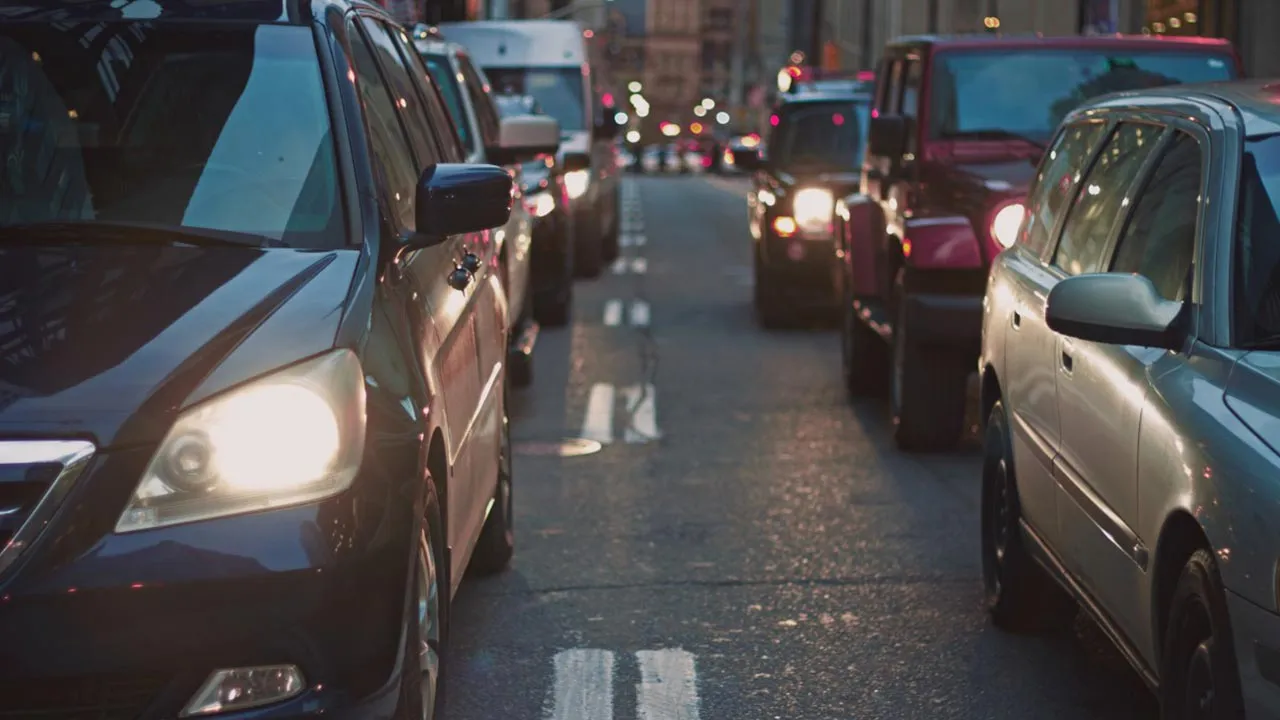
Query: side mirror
<point x="607" y="128"/>
<point x="1114" y="308"/>
<point x="523" y="137"/>
<point x="747" y="158"/>
<point x="456" y="198"/>
<point x="576" y="161"/>
<point x="887" y="136"/>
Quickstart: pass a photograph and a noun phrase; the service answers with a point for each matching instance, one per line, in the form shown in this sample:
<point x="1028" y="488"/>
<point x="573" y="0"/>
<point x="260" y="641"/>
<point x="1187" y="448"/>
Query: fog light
<point x="243" y="688"/>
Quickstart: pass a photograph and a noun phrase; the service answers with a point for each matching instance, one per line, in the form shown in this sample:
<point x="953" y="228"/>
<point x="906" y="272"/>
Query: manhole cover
<point x="568" y="447"/>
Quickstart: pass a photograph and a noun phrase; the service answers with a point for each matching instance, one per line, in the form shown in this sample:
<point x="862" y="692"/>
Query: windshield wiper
<point x="125" y="233"/>
<point x="992" y="134"/>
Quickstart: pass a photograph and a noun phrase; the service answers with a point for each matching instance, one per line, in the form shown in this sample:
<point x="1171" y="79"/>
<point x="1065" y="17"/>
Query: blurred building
<point x="672" y="61"/>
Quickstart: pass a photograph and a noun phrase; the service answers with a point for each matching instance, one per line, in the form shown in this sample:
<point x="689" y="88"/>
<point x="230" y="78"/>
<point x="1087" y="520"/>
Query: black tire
<point x="864" y="355"/>
<point x="421" y="698"/>
<point x="588" y="258"/>
<point x="1020" y="595"/>
<point x="497" y="543"/>
<point x="611" y="246"/>
<point x="520" y="367"/>
<point x="1198" y="673"/>
<point x="554" y="308"/>
<point x="770" y="313"/>
<point x="928" y="387"/>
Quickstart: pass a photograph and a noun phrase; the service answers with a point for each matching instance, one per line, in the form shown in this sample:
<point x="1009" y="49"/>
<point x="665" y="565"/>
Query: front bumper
<point x="1257" y="644"/>
<point x="802" y="267"/>
<point x="98" y="624"/>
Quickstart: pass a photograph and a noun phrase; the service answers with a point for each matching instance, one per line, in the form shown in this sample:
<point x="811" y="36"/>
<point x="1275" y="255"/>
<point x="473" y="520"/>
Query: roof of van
<point x="520" y="43"/>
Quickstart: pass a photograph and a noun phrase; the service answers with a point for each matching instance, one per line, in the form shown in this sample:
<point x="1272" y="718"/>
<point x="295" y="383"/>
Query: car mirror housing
<point x="456" y="198"/>
<point x="1115" y="308"/>
<point x="524" y="137"/>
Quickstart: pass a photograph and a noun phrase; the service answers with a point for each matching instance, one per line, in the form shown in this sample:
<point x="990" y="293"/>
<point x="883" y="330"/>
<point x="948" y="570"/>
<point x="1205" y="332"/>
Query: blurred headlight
<point x="812" y="208"/>
<point x="542" y="204"/>
<point x="1006" y="223"/>
<point x="293" y="437"/>
<point x="575" y="183"/>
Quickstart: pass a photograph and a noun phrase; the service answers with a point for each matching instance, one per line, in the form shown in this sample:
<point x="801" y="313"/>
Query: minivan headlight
<point x="292" y="437"/>
<point x="575" y="183"/>
<point x="1006" y="223"/>
<point x="813" y="207"/>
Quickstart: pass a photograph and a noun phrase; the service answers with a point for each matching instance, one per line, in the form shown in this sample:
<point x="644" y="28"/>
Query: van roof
<point x="520" y="43"/>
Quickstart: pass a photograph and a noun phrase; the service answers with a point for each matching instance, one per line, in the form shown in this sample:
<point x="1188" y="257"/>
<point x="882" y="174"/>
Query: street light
<point x="642" y="111"/>
<point x="708" y="103"/>
<point x="620" y="118"/>
<point x="635" y="86"/>
<point x="633" y="136"/>
<point x="699" y="110"/>
<point x="722" y="117"/>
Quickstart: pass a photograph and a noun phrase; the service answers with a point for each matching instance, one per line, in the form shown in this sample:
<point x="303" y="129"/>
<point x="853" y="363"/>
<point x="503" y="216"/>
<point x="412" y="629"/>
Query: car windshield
<point x="1028" y="92"/>
<point x="557" y="90"/>
<point x="212" y="127"/>
<point x="447" y="80"/>
<point x="1258" y="286"/>
<point x="512" y="105"/>
<point x="818" y="137"/>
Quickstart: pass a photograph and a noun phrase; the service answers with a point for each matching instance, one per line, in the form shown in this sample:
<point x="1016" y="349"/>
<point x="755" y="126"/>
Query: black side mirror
<point x="887" y="136"/>
<point x="747" y="158"/>
<point x="455" y="198"/>
<point x="576" y="161"/>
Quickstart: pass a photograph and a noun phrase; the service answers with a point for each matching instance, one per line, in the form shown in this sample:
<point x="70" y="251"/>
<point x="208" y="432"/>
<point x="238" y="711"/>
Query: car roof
<point x="291" y="12"/>
<point x="1255" y="102"/>
<point x="996" y="40"/>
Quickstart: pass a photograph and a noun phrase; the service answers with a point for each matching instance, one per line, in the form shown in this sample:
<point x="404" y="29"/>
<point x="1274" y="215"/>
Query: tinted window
<point x="1101" y="198"/>
<point x="223" y="129"/>
<point x="387" y="141"/>
<point x="443" y="130"/>
<point x="447" y="80"/>
<point x="411" y="112"/>
<point x="1056" y="182"/>
<point x="477" y="88"/>
<point x="817" y="137"/>
<point x="893" y="96"/>
<point x="557" y="90"/>
<point x="1028" y="92"/>
<point x="1258" y="238"/>
<point x="911" y="101"/>
<point x="1159" y="240"/>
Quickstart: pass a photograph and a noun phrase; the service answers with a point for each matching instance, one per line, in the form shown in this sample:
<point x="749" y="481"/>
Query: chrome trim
<point x="72" y="455"/>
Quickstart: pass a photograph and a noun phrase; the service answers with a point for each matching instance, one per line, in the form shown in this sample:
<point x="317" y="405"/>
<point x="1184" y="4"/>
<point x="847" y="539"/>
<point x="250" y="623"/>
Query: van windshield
<point x="557" y="90"/>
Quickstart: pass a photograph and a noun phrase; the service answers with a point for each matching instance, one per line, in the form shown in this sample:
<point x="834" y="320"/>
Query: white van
<point x="547" y="59"/>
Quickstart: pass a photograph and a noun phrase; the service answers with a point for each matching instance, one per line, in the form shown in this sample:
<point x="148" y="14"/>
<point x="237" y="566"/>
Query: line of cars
<point x="1094" y="220"/>
<point x="262" y="267"/>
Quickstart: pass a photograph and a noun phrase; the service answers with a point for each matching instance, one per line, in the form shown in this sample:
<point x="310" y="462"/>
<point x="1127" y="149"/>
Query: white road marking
<point x="598" y="424"/>
<point x="619" y="266"/>
<point x="668" y="688"/>
<point x="613" y="313"/>
<point x="639" y="265"/>
<point x="632" y="240"/>
<point x="642" y="407"/>
<point x="639" y="313"/>
<point x="584" y="685"/>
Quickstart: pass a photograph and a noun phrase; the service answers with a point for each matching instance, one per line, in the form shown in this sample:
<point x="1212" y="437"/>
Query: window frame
<point x="406" y="114"/>
<point x="1045" y="254"/>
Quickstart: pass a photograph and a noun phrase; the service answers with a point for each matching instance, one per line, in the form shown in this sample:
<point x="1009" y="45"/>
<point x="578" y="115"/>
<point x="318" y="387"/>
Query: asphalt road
<point x="745" y="545"/>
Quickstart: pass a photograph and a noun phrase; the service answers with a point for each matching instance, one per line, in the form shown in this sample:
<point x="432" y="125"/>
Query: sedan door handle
<point x="1017" y="320"/>
<point x="471" y="263"/>
<point x="459" y="279"/>
<point x="1066" y="361"/>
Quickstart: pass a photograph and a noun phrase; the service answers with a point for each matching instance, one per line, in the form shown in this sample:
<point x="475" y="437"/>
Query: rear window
<point x="819" y="137"/>
<point x="559" y="91"/>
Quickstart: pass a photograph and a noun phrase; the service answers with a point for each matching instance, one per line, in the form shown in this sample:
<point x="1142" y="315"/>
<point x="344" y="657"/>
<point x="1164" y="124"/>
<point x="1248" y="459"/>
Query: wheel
<point x="1020" y="595"/>
<point x="589" y="254"/>
<point x="427" y="627"/>
<point x="769" y="312"/>
<point x="864" y="355"/>
<point x="928" y="387"/>
<point x="553" y="308"/>
<point x="1198" y="674"/>
<point x="497" y="541"/>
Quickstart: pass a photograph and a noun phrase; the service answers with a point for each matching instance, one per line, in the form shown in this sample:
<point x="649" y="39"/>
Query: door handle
<point x="459" y="278"/>
<point x="471" y="263"/>
<point x="1017" y="320"/>
<point x="1066" y="361"/>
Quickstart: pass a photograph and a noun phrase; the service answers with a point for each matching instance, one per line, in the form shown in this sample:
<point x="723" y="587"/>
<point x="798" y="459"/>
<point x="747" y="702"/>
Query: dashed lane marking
<point x="598" y="423"/>
<point x="639" y="265"/>
<point x="668" y="688"/>
<point x="613" y="313"/>
<point x="583" y="685"/>
<point x="632" y="240"/>
<point x="639" y="423"/>
<point x="639" y="313"/>
<point x="642" y="408"/>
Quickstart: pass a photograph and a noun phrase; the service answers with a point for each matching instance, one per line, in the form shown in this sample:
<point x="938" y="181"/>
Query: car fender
<point x="941" y="243"/>
<point x="861" y="228"/>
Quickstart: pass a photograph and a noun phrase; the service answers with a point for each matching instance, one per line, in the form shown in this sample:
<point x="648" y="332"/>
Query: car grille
<point x="105" y="697"/>
<point x="35" y="476"/>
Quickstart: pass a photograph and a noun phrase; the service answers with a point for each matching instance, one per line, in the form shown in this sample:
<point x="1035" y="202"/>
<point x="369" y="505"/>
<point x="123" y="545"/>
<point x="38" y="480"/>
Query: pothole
<point x="565" y="447"/>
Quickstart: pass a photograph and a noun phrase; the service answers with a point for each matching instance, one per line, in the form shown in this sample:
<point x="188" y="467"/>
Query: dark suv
<point x="253" y="420"/>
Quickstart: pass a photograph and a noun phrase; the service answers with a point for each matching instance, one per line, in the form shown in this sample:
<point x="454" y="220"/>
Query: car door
<point x="1102" y="389"/>
<point x="1029" y="379"/>
<point x="428" y="296"/>
<point x="1087" y="394"/>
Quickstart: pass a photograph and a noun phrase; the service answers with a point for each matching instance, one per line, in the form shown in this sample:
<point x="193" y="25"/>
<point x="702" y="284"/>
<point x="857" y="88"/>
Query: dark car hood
<point x="111" y="341"/>
<point x="839" y="183"/>
<point x="1000" y="175"/>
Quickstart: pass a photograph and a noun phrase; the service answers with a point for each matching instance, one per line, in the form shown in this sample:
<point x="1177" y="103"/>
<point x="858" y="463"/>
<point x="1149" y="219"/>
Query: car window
<point x="1102" y="195"/>
<point x="446" y="133"/>
<point x="818" y="137"/>
<point x="1257" y="294"/>
<point x="559" y="91"/>
<point x="477" y="88"/>
<point x="449" y="84"/>
<point x="911" y="100"/>
<point x="1057" y="180"/>
<point x="408" y="102"/>
<point x="893" y="100"/>
<point x="1159" y="239"/>
<point x="387" y="142"/>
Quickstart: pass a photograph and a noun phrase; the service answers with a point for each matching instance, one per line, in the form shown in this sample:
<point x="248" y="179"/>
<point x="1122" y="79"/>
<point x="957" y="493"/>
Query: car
<point x="481" y="128"/>
<point x="253" y="403"/>
<point x="815" y="156"/>
<point x="1130" y="346"/>
<point x="959" y="125"/>
<point x="549" y="60"/>
<point x="542" y="185"/>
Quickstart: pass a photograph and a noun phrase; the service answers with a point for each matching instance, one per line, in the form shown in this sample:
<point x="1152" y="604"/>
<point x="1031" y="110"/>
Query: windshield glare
<point x="1029" y="92"/>
<point x="214" y="127"/>
<point x="558" y="91"/>
<point x="815" y="137"/>
<point x="1258" y="257"/>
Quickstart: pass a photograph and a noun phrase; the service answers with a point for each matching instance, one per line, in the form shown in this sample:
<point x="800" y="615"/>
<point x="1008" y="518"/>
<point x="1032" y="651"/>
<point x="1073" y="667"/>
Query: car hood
<point x="839" y="183"/>
<point x="1253" y="394"/>
<point x="999" y="175"/>
<point x="112" y="342"/>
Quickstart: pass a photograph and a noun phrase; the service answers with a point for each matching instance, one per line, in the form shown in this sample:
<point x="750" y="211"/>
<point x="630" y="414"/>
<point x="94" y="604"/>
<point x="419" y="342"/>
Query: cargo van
<point x="547" y="60"/>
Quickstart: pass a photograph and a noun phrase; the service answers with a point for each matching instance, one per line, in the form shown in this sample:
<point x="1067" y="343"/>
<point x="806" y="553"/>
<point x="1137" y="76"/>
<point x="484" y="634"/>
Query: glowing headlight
<point x="1006" y="223"/>
<point x="812" y="208"/>
<point x="575" y="182"/>
<point x="292" y="437"/>
<point x="541" y="205"/>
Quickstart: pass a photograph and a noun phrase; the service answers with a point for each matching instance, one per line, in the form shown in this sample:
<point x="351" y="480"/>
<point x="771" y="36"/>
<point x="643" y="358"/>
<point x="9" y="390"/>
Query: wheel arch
<point x="437" y="466"/>
<point x="989" y="392"/>
<point x="1180" y="536"/>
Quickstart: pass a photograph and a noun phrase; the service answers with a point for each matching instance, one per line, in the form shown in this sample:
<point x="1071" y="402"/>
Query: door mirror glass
<point x="888" y="136"/>
<point x="1114" y="308"/>
<point x="453" y="199"/>
<point x="524" y="137"/>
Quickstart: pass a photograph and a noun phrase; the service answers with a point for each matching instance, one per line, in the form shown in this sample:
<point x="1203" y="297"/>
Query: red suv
<point x="956" y="135"/>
